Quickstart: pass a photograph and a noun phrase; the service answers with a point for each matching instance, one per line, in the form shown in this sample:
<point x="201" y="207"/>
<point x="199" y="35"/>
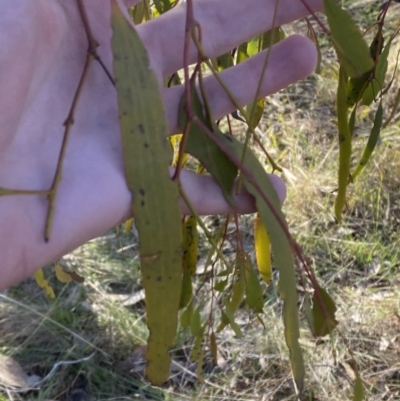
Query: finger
<point x="290" y="60"/>
<point x="224" y="24"/>
<point x="207" y="198"/>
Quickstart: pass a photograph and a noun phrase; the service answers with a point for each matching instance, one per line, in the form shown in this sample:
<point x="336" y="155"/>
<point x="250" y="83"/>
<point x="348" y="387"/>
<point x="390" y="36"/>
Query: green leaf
<point x="344" y="144"/>
<point x="214" y="347"/>
<point x="190" y="245"/>
<point x="220" y="285"/>
<point x="376" y="84"/>
<point x="231" y="319"/>
<point x="351" y="48"/>
<point x="187" y="290"/>
<point x="255" y="114"/>
<point x="272" y="37"/>
<point x="186" y="315"/>
<point x="162" y="6"/>
<point x="394" y="109"/>
<point x="241" y="54"/>
<point x="323" y="313"/>
<point x="195" y="322"/>
<point x="281" y="248"/>
<point x="372" y="141"/>
<point x="205" y="150"/>
<point x="358" y="389"/>
<point x="147" y="155"/>
<point x="254" y="291"/>
<point x="225" y="61"/>
<point x="197" y="346"/>
<point x="270" y="212"/>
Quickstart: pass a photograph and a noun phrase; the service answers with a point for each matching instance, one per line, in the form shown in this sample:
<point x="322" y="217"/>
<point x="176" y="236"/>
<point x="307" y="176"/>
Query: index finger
<point x="224" y="23"/>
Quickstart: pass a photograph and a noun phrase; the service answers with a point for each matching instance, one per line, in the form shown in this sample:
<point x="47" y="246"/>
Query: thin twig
<point x="68" y="123"/>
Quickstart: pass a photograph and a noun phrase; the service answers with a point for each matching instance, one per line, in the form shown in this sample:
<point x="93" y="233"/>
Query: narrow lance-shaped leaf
<point x="205" y="150"/>
<point x="372" y="141"/>
<point x="358" y="394"/>
<point x="394" y="109"/>
<point x="147" y="155"/>
<point x="323" y="313"/>
<point x="254" y="291"/>
<point x="190" y="244"/>
<point x="344" y="144"/>
<point x="357" y="87"/>
<point x="279" y="239"/>
<point x="351" y="48"/>
<point x="282" y="251"/>
<point x="283" y="257"/>
<point x="376" y="85"/>
<point x="262" y="245"/>
<point x="237" y="295"/>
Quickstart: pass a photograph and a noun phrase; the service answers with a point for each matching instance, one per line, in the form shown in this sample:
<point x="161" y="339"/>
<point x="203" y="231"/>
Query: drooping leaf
<point x="228" y="318"/>
<point x="213" y="347"/>
<point x="394" y="109"/>
<point x="372" y="141"/>
<point x="241" y="53"/>
<point x="186" y="315"/>
<point x="351" y="48"/>
<point x="254" y="291"/>
<point x="365" y="86"/>
<point x="43" y="283"/>
<point x="270" y="212"/>
<point x="262" y="246"/>
<point x="323" y="313"/>
<point x="187" y="290"/>
<point x="128" y="226"/>
<point x="239" y="287"/>
<point x="190" y="245"/>
<point x="256" y="114"/>
<point x="198" y="344"/>
<point x="155" y="197"/>
<point x="199" y="370"/>
<point x="162" y="6"/>
<point x="344" y="135"/>
<point x="209" y="154"/>
<point x="272" y="37"/>
<point x="313" y="36"/>
<point x="225" y="61"/>
<point x="61" y="274"/>
<point x="358" y="394"/>
<point x="220" y="285"/>
<point x="195" y="322"/>
<point x="175" y="141"/>
<point x="375" y="85"/>
<point x="284" y="261"/>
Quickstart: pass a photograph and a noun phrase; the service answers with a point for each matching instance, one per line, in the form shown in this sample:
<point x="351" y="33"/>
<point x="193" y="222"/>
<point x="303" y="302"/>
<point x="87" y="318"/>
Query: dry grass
<point x="358" y="262"/>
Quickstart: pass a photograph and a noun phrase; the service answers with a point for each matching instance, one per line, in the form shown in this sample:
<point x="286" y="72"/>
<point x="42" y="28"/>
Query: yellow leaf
<point x="263" y="250"/>
<point x="128" y="226"/>
<point x="175" y="141"/>
<point x="43" y="283"/>
<point x="62" y="275"/>
<point x="155" y="197"/>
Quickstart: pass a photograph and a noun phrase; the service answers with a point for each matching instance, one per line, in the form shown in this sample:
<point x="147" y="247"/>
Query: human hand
<point x="42" y="51"/>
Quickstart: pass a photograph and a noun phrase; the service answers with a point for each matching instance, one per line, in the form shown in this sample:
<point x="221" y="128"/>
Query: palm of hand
<point x="43" y="49"/>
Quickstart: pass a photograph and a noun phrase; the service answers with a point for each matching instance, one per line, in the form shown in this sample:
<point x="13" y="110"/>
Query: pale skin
<point x="42" y="53"/>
